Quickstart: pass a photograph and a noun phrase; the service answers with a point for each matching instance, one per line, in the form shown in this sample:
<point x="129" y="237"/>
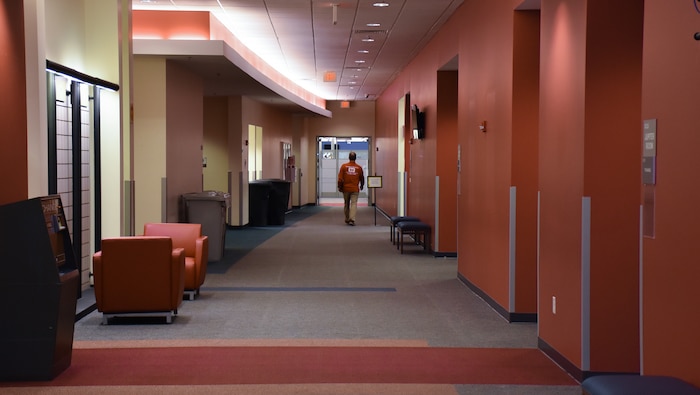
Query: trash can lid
<point x="207" y="195"/>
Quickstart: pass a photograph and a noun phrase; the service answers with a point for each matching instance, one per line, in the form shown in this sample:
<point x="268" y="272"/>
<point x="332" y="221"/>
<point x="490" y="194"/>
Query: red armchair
<point x="196" y="246"/>
<point x="138" y="276"/>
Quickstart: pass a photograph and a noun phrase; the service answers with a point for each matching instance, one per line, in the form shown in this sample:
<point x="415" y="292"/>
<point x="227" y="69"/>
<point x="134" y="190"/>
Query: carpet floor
<point x="306" y="365"/>
<point x="315" y="307"/>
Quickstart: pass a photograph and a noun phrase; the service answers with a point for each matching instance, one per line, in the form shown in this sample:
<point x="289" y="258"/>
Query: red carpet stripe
<point x="295" y="365"/>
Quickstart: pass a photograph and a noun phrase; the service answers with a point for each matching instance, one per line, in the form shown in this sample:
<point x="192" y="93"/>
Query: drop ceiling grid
<point x="300" y="35"/>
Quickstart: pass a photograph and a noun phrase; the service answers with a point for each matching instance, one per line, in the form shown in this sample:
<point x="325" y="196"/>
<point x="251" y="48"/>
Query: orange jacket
<point x="350" y="177"/>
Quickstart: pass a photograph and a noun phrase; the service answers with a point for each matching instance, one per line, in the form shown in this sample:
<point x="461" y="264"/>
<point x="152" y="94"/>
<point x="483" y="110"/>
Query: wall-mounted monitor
<point x="417" y="123"/>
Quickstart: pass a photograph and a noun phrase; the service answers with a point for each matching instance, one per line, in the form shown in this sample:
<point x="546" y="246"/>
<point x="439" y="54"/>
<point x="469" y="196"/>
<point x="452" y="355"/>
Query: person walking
<point x="351" y="180"/>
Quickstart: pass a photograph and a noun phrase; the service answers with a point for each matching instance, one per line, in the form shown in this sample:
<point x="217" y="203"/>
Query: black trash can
<point x="209" y="209"/>
<point x="258" y="202"/>
<point x="279" y="201"/>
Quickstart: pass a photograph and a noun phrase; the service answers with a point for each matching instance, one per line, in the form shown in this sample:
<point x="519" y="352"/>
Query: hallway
<point x="320" y="282"/>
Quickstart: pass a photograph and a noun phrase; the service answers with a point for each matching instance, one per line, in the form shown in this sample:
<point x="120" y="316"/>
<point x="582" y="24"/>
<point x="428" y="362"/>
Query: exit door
<point x="332" y="153"/>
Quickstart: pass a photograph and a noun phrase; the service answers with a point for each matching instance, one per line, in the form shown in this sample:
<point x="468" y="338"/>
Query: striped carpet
<point x="200" y="364"/>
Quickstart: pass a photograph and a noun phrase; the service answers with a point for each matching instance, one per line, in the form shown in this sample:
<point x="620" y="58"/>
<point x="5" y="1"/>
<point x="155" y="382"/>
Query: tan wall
<point x="150" y="139"/>
<point x="184" y="141"/>
<point x="216" y="144"/>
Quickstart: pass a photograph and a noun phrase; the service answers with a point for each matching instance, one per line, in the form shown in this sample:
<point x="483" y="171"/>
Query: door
<point x="332" y="153"/>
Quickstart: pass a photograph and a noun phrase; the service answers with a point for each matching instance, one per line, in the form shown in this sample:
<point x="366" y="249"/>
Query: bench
<point x="395" y="220"/>
<point x="419" y="230"/>
<point x="629" y="384"/>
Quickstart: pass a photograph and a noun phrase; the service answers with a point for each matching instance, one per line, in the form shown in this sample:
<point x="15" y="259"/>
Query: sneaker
<point x="351" y="223"/>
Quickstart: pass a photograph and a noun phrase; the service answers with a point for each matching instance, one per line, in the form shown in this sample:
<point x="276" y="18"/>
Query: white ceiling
<point x="299" y="38"/>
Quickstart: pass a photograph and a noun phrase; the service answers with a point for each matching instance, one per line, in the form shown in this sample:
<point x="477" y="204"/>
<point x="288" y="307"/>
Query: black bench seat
<point x="395" y="220"/>
<point x="629" y="384"/>
<point x="419" y="230"/>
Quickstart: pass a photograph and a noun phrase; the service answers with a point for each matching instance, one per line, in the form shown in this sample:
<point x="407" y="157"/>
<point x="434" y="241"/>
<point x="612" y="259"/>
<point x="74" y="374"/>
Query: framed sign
<point x="374" y="181"/>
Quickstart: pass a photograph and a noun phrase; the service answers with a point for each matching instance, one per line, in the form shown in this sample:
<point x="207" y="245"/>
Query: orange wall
<point x="563" y="60"/>
<point x="524" y="166"/>
<point x="481" y="34"/>
<point x="386" y="156"/>
<point x="671" y="271"/>
<point x="446" y="164"/>
<point x="170" y="24"/>
<point x="486" y="83"/>
<point x="590" y="148"/>
<point x="420" y="80"/>
<point x="13" y="103"/>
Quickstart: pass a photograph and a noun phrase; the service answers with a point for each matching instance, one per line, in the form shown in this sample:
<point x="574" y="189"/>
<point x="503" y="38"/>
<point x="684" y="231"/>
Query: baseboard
<point x="510" y="317"/>
<point x="382" y="212"/>
<point x="561" y="360"/>
<point x="440" y="254"/>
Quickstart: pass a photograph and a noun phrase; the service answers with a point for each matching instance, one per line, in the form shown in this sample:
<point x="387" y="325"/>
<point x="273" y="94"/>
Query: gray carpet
<point x="317" y="278"/>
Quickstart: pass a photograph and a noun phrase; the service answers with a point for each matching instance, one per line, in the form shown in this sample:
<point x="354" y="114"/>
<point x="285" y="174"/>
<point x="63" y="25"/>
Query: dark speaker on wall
<point x="417" y="123"/>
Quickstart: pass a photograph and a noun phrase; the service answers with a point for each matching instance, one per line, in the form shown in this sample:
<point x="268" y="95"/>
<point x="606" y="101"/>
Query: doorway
<point x="331" y="153"/>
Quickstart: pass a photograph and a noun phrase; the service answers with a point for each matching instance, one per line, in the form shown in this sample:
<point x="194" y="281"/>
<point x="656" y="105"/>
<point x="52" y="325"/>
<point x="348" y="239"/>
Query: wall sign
<point x="649" y="152"/>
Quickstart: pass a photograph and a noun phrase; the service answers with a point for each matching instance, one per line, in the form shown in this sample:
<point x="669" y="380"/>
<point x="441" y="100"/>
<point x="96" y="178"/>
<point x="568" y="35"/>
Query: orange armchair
<point x="138" y="276"/>
<point x="196" y="246"/>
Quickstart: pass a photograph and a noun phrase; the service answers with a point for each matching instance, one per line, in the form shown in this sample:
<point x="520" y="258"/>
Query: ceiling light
<point x="374" y="24"/>
<point x="359" y="61"/>
<point x="381" y="4"/>
<point x="368" y="40"/>
<point x="363" y="51"/>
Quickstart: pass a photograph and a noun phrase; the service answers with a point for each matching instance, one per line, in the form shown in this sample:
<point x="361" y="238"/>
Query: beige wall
<point x="81" y="35"/>
<point x="149" y="138"/>
<point x="216" y="144"/>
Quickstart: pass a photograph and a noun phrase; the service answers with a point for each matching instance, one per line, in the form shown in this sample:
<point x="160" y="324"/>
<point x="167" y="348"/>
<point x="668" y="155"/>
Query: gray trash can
<point x="209" y="209"/>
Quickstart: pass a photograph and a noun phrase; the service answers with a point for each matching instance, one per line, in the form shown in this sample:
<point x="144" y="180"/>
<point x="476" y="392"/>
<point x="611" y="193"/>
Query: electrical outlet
<point x="554" y="304"/>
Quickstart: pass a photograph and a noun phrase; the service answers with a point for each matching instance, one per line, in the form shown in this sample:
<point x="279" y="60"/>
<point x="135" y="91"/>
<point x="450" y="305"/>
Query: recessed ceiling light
<point x="381" y="4"/>
<point x="359" y="61"/>
<point x="368" y="40"/>
<point x="363" y="51"/>
<point x="374" y="24"/>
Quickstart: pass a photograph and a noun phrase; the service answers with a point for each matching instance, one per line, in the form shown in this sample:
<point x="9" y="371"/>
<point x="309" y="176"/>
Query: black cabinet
<point x="39" y="284"/>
